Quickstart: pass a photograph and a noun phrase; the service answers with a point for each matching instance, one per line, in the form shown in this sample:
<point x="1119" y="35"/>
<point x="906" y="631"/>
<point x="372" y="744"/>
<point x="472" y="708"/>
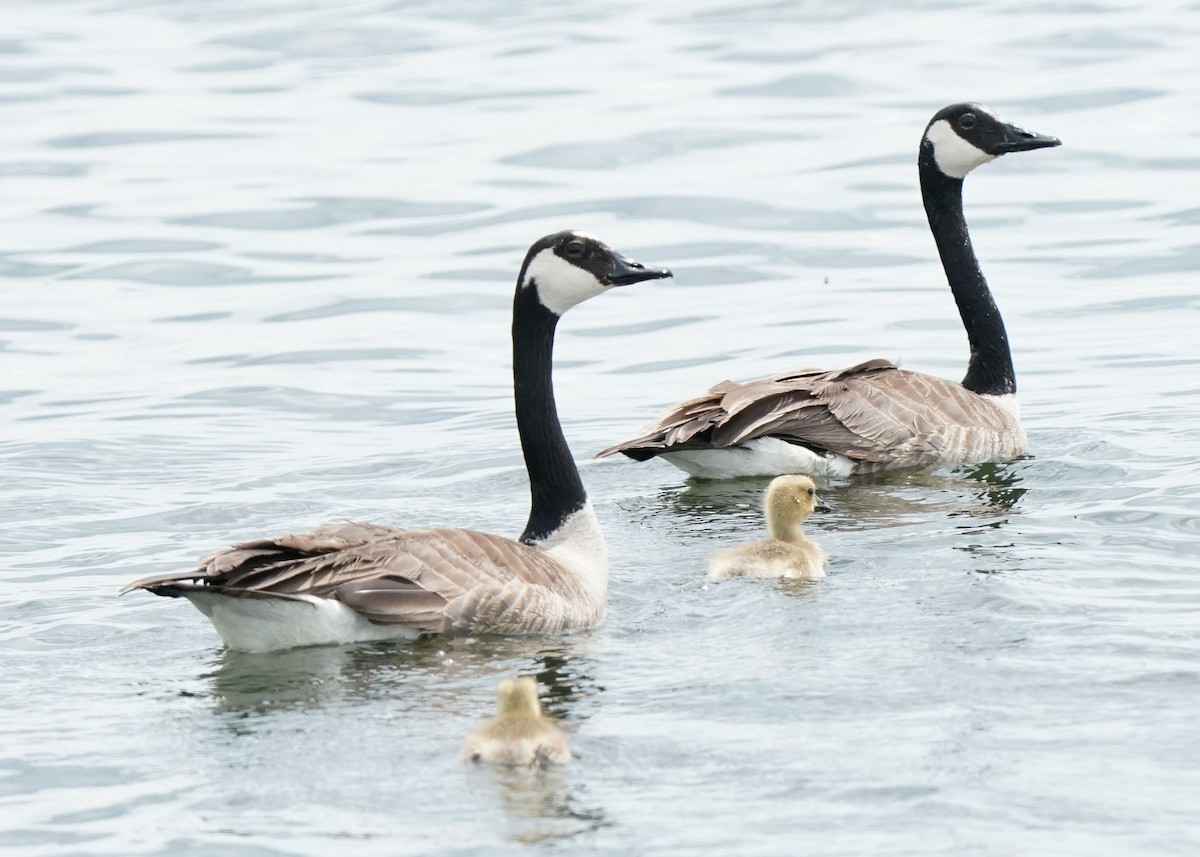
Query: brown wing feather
<point x="873" y="413"/>
<point x="440" y="580"/>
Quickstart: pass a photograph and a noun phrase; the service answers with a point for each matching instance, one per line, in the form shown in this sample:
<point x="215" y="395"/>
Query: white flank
<point x="579" y="546"/>
<point x="1008" y="402"/>
<point x="560" y="284"/>
<point x="1017" y="442"/>
<point x="764" y="456"/>
<point x="954" y="156"/>
<point x="269" y="624"/>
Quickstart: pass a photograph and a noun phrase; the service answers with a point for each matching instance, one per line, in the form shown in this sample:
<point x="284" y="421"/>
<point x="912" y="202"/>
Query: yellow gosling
<point x="787" y="553"/>
<point x="519" y="734"/>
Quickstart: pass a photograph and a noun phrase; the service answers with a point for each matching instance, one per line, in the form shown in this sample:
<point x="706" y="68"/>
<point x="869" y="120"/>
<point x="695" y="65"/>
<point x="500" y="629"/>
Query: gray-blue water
<point x="257" y="263"/>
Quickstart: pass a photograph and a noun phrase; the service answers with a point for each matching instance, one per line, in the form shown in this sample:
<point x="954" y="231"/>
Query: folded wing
<point x="874" y="413"/>
<point x="436" y="581"/>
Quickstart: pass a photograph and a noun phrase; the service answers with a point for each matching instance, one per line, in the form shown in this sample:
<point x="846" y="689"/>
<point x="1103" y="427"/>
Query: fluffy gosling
<point x="787" y="553"/>
<point x="519" y="734"/>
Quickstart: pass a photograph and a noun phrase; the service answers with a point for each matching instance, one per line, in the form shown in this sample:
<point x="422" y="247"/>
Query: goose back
<point x="874" y="414"/>
<point x="433" y="581"/>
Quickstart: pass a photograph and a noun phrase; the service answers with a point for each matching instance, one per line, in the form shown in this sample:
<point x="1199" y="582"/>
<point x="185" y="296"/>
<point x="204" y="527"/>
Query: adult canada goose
<point x="787" y="552"/>
<point x="874" y="416"/>
<point x="519" y="734"/>
<point x="347" y="582"/>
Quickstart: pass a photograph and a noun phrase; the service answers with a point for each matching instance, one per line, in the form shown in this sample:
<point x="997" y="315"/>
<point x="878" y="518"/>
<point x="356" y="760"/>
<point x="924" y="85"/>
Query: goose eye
<point x="966" y="121"/>
<point x="574" y="249"/>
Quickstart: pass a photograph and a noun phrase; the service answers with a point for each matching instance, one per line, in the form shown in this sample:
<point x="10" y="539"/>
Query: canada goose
<point x="786" y="552"/>
<point x="347" y="582"/>
<point x="874" y="416"/>
<point x="519" y="734"/>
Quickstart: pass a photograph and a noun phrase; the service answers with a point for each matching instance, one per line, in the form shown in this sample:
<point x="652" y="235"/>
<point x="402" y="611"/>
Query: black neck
<point x="990" y="372"/>
<point x="554" y="482"/>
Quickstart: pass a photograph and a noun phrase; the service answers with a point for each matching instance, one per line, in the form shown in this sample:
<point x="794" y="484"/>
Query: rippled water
<point x="257" y="260"/>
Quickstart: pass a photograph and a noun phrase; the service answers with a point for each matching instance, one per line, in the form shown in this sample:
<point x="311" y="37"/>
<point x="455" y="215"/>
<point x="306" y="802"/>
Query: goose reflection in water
<point x="454" y="675"/>
<point x="865" y="503"/>
<point x="1000" y="483"/>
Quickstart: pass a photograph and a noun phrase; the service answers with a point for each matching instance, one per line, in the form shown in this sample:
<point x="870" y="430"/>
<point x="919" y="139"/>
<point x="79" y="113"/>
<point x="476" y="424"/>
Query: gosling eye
<point x="574" y="249"/>
<point x="966" y="121"/>
<point x="811" y="492"/>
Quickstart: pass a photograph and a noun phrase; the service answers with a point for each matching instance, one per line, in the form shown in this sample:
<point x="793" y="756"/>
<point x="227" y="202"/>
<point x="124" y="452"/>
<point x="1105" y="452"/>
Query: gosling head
<point x="788" y="502"/>
<point x="518" y="697"/>
<point x="962" y="136"/>
<point x="568" y="268"/>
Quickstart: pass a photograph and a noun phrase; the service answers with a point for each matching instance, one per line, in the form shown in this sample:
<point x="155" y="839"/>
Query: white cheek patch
<point x="954" y="156"/>
<point x="560" y="284"/>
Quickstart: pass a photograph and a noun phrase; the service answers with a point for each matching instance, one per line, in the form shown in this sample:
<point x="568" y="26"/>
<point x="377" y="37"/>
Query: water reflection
<point x="803" y="588"/>
<point x="866" y="502"/>
<point x="894" y="497"/>
<point x="436" y="673"/>
<point x="1001" y="482"/>
<point x="563" y="682"/>
<point x="541" y="804"/>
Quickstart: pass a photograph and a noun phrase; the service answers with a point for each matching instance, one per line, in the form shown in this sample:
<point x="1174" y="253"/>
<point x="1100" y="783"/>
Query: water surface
<point x="257" y="263"/>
